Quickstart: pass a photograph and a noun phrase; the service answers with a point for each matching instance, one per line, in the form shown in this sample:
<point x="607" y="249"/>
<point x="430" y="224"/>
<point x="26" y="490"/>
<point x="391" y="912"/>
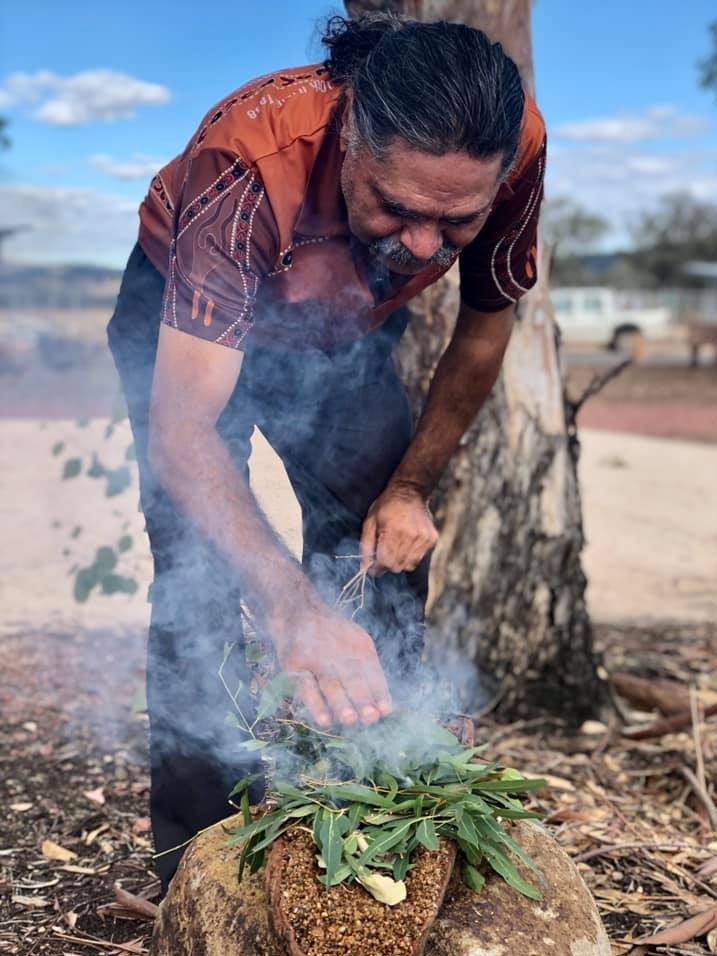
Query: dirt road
<point x="650" y="509"/>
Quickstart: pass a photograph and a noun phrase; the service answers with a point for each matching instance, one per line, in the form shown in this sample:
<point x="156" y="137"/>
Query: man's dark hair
<point x="442" y="87"/>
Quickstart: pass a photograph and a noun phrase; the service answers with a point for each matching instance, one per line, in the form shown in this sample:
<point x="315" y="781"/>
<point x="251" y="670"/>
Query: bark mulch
<point x="74" y="789"/>
<point x="637" y="813"/>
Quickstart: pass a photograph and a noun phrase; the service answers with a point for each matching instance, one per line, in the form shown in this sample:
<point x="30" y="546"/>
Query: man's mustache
<point x="395" y="250"/>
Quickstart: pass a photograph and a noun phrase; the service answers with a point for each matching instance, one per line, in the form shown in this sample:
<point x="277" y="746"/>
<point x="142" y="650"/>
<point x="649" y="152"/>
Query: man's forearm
<point x="463" y="378"/>
<point x="209" y="488"/>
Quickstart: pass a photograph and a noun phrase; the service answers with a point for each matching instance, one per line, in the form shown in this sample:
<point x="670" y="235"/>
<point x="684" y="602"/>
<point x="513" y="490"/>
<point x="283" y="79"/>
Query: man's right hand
<point x="339" y="675"/>
<point x="334" y="661"/>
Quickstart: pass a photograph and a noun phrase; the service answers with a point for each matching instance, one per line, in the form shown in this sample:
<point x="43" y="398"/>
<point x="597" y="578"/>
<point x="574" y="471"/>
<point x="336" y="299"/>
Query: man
<point x="273" y="257"/>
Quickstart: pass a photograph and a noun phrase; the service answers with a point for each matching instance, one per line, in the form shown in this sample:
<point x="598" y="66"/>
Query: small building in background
<point x="698" y="310"/>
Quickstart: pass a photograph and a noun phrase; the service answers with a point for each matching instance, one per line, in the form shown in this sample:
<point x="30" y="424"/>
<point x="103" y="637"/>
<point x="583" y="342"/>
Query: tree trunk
<point x="507" y="586"/>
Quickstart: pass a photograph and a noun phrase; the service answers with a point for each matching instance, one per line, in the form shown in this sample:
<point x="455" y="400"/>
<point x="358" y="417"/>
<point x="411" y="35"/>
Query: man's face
<point x="413" y="209"/>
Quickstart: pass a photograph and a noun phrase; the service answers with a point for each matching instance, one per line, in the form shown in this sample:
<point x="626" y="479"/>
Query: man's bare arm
<point x="336" y="663"/>
<point x="192" y="383"/>
<point x="398" y="530"/>
<point x="464" y="376"/>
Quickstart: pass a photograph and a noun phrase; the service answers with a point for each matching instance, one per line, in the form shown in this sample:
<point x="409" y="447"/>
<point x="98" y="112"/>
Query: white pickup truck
<point x="609" y="317"/>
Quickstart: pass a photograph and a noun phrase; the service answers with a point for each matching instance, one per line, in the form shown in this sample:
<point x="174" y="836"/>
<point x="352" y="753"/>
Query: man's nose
<point x="421" y="239"/>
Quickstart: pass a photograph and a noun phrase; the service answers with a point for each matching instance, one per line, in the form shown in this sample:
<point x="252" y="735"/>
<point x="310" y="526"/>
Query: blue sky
<point x="99" y="95"/>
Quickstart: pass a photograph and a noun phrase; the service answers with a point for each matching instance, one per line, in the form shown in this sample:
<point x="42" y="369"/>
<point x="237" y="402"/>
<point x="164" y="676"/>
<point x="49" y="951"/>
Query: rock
<point x="208" y="913"/>
<point x="501" y="922"/>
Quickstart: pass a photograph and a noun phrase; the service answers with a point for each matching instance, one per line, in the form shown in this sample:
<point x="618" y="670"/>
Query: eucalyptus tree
<point x="507" y="588"/>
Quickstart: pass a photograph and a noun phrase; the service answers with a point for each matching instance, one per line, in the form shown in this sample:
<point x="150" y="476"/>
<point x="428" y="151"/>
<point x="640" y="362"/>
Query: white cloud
<point x="618" y="182"/>
<point x="607" y="164"/>
<point x="138" y="166"/>
<point x="82" y="98"/>
<point x="68" y="224"/>
<point x="647" y="165"/>
<point x="656" y="122"/>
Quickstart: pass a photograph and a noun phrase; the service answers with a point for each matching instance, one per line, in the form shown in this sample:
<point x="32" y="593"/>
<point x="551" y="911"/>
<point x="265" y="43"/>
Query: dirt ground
<point x="73" y="758"/>
<point x="73" y="771"/>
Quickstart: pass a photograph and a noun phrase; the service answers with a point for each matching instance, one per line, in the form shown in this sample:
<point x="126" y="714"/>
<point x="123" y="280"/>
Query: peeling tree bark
<point x="507" y="586"/>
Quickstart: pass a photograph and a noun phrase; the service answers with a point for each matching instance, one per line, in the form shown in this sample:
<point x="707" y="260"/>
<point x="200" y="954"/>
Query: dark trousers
<point x="340" y="423"/>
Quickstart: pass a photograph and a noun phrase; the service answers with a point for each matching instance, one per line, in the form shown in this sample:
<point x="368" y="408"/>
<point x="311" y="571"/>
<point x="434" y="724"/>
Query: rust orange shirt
<point x="249" y="225"/>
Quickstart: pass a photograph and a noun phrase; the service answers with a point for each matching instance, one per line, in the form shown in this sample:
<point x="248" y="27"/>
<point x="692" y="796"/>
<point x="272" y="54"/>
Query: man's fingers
<point x="338" y="700"/>
<point x="377" y="685"/>
<point x="308" y="691"/>
<point x="416" y="555"/>
<point x="362" y="677"/>
<point x="400" y="553"/>
<point x="368" y="694"/>
<point x="382" y="705"/>
<point x="367" y="545"/>
<point x="390" y="554"/>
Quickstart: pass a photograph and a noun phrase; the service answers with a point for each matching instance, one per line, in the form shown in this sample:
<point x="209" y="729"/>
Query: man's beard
<point x="392" y="250"/>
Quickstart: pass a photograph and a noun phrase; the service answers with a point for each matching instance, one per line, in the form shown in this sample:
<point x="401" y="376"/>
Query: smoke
<point x="340" y="422"/>
<point x="338" y="418"/>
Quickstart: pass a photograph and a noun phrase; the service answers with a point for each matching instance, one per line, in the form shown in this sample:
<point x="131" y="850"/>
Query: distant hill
<point x="85" y="286"/>
<point x="598" y="265"/>
<point x="58" y="287"/>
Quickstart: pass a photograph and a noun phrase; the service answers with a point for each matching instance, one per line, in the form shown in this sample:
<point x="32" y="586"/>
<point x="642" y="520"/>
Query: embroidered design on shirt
<point x="211" y="195"/>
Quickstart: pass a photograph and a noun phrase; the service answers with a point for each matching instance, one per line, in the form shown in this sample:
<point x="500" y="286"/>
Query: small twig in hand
<point x="354" y="592"/>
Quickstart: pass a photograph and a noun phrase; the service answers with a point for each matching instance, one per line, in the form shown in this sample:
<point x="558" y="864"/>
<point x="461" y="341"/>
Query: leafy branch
<point x="371" y="796"/>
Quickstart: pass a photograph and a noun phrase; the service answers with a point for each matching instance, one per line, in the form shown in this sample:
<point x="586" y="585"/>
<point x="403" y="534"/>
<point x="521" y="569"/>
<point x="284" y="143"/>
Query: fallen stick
<point x="699" y="756"/>
<point x="669" y="697"/>
<point x="668" y="725"/>
<point x="701" y="792"/>
<point x="99" y="943"/>
<point x="614" y="847"/>
<point x="698" y="925"/>
<point x="129" y="905"/>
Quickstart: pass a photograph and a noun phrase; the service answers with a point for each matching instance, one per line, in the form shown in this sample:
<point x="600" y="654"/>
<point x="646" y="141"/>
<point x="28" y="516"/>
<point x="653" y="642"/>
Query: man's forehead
<point x="434" y="205"/>
<point x="454" y="184"/>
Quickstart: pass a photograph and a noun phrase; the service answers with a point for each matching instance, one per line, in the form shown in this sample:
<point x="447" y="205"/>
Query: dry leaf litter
<point x="637" y="815"/>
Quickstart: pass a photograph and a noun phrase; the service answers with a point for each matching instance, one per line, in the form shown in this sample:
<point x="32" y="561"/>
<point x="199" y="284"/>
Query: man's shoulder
<point x="532" y="140"/>
<point x="270" y="113"/>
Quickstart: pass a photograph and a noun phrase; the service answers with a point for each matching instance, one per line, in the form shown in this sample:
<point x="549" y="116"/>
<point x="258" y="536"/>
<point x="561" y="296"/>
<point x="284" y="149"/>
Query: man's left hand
<point x="398" y="531"/>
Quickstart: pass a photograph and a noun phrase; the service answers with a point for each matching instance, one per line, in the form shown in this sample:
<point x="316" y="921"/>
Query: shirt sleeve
<point x="500" y="265"/>
<point x="224" y="242"/>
